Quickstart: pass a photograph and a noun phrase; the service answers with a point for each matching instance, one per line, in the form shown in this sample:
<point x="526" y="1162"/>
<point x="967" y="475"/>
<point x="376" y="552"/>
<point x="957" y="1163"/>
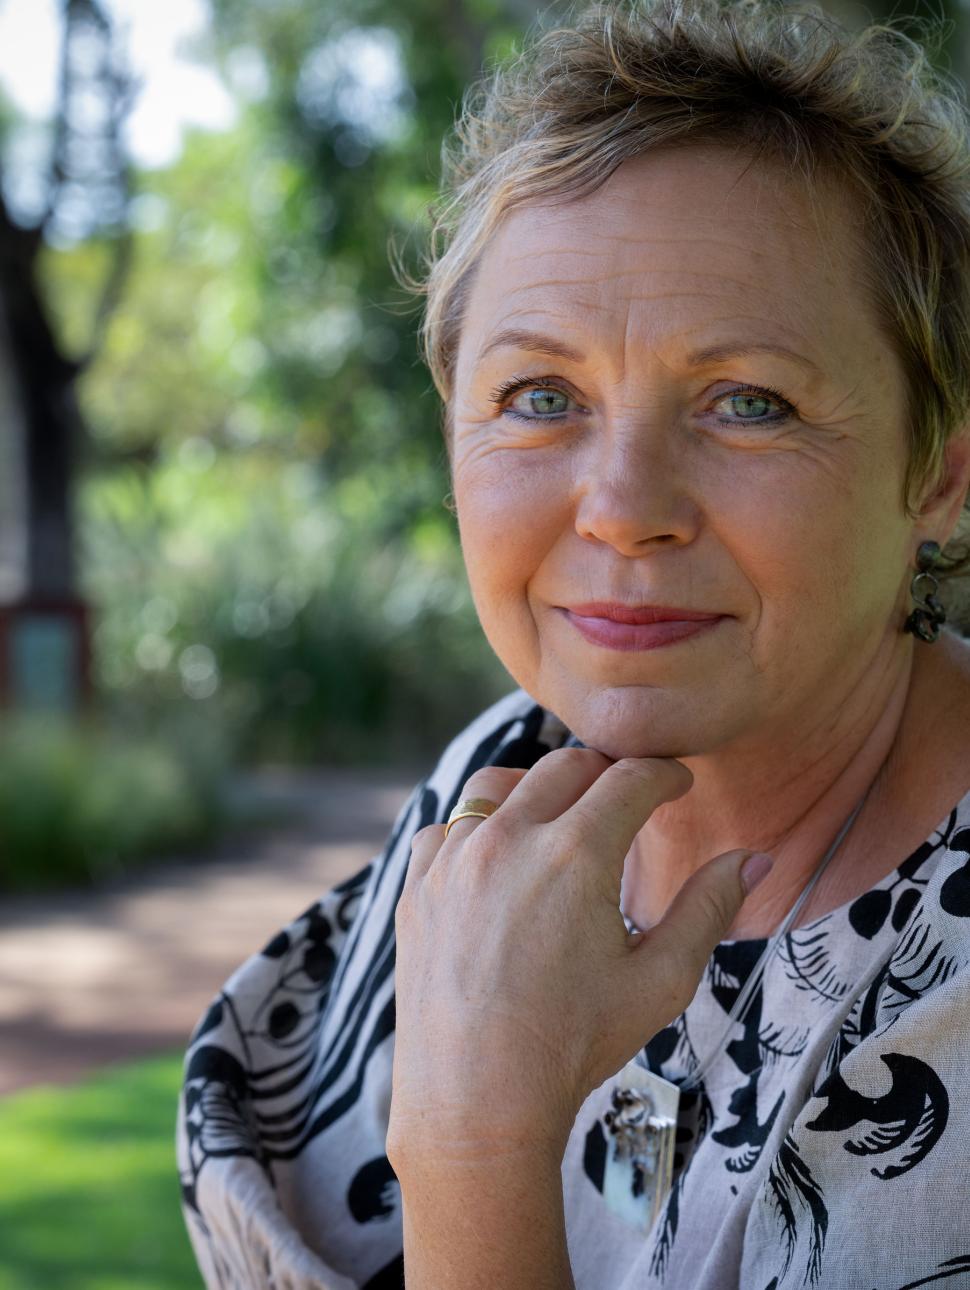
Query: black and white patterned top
<point x="829" y="1145"/>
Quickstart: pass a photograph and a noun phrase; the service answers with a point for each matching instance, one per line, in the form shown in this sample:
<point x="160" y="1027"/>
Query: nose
<point x="631" y="495"/>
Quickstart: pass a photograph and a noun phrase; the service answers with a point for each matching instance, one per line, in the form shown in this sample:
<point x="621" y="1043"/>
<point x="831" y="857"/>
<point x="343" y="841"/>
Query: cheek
<point x="509" y="516"/>
<point x="807" y="542"/>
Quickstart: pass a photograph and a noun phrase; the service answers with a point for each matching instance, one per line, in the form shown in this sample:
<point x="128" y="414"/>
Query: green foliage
<point x="231" y="586"/>
<point x="89" y="1194"/>
<point x="80" y="803"/>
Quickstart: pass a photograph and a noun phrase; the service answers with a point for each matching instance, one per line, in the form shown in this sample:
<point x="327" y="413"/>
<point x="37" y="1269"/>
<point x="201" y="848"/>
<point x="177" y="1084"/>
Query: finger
<point x="621" y="800"/>
<point x="555" y="783"/>
<point x="703" y="910"/>
<point x="495" y="783"/>
<point x="425" y="845"/>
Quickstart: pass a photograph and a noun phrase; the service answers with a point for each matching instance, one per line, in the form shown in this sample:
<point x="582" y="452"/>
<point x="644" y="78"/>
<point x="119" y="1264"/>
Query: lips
<point x="637" y="615"/>
<point x="612" y="625"/>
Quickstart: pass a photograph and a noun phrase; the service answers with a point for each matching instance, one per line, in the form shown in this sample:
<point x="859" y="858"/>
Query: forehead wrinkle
<point x="538" y="284"/>
<point x="546" y="321"/>
<point x="674" y="349"/>
<point x="550" y="322"/>
<point x="558" y="311"/>
<point x="624" y="274"/>
<point x="534" y="255"/>
<point x="534" y="260"/>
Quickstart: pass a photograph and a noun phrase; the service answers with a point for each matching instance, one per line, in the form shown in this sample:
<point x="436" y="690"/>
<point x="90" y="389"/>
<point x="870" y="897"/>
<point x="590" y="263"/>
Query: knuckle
<point x="649" y="781"/>
<point x="632" y="765"/>
<point x="490" y="781"/>
<point x="632" y="780"/>
<point x="577" y="756"/>
<point x="403" y="909"/>
<point x="644" y="769"/>
<point x="489" y="834"/>
<point x="578" y="824"/>
<point x="634" y="772"/>
<point x="663" y="772"/>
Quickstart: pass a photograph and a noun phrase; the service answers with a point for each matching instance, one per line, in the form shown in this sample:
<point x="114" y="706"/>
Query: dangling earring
<point x="926" y="621"/>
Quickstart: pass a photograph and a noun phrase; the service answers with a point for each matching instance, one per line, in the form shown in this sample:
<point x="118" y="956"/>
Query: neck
<point x="790" y="797"/>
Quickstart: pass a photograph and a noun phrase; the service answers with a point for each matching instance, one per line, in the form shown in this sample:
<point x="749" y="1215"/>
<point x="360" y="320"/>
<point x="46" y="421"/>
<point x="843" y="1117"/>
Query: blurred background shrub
<point x="224" y="584"/>
<point x="81" y="803"/>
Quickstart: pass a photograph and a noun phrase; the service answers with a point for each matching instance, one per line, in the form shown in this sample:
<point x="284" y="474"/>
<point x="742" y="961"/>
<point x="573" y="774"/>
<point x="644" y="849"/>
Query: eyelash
<point x="504" y="392"/>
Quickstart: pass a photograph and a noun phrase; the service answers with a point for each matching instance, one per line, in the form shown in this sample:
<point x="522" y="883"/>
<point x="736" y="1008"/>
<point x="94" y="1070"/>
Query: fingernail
<point x="755" y="868"/>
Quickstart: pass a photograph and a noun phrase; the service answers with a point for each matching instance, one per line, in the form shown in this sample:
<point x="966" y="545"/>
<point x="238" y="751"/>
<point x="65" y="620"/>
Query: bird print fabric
<point x="827" y="1145"/>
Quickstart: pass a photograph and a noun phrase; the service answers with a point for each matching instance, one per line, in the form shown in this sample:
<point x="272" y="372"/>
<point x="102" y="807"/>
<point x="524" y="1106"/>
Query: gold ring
<point x="478" y="806"/>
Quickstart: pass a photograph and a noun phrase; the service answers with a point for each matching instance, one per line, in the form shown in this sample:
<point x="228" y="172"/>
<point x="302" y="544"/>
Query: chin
<point x="630" y="737"/>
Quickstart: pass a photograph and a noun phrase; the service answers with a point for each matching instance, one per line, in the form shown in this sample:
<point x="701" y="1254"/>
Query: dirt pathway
<point x="88" y="979"/>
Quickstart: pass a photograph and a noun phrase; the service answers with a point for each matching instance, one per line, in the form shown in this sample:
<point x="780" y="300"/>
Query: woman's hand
<point x="518" y="989"/>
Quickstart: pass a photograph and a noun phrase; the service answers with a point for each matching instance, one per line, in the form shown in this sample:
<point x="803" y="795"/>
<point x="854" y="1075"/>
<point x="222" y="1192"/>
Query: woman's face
<point x="658" y="451"/>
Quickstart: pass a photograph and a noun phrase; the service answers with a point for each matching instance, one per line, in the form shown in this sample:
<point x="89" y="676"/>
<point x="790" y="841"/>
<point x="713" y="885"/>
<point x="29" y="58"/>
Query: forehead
<point x="676" y="243"/>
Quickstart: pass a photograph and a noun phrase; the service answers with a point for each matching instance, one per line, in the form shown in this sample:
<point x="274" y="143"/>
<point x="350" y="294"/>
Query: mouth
<point x="641" y="627"/>
<point x="639" y="614"/>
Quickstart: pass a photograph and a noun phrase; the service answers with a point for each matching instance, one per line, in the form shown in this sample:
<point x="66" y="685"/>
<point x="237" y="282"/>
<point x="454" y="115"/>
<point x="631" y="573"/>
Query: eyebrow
<point x="537" y="343"/>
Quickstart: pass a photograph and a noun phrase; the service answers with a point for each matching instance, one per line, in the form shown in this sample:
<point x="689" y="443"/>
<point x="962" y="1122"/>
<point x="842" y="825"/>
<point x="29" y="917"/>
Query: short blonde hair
<point x="789" y="81"/>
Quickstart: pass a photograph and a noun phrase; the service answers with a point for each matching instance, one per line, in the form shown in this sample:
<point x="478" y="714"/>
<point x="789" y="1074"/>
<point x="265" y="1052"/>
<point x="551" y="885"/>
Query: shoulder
<point x="923" y="909"/>
<point x="889" y="1105"/>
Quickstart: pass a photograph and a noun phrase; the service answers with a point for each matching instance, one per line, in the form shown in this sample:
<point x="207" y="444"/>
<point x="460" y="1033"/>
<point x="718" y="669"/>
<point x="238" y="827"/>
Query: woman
<point x="698" y="313"/>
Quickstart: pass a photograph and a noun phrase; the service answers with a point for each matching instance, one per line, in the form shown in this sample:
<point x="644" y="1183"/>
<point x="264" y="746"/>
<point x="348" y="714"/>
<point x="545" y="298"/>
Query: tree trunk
<point x="41" y="384"/>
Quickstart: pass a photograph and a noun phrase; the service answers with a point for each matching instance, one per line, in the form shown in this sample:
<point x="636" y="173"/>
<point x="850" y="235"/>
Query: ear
<point x="940" y="511"/>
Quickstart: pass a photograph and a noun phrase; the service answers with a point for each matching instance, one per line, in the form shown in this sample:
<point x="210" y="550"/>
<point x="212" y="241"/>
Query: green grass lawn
<point x="89" y="1196"/>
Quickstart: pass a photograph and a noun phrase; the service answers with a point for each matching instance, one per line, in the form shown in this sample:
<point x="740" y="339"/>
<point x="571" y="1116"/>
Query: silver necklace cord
<point x="757" y="972"/>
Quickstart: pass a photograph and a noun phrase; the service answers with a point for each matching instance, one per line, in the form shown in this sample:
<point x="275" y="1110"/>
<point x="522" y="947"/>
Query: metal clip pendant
<point x="642" y="1123"/>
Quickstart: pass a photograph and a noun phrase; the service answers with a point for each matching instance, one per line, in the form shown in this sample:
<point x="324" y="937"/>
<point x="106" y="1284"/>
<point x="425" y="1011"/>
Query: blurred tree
<point x="354" y="107"/>
<point x="87" y="190"/>
<point x="85" y="197"/>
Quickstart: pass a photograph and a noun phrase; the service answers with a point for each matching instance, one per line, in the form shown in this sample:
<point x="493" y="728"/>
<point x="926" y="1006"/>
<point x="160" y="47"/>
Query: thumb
<point x="679" y="946"/>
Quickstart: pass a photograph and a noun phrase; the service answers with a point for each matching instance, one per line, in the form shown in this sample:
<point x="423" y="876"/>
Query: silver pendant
<point x="642" y="1122"/>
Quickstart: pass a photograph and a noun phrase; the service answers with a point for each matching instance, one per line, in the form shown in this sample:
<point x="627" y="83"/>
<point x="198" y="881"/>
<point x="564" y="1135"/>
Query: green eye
<point x="750" y="405"/>
<point x="541" y="402"/>
<point x="753" y="407"/>
<point x="546" y="402"/>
